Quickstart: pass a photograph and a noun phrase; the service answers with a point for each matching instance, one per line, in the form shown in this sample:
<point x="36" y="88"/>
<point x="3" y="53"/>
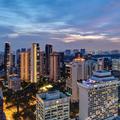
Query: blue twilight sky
<point x="91" y="24"/>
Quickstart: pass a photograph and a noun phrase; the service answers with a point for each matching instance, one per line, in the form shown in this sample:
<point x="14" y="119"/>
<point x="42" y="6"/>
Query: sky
<point x="67" y="24"/>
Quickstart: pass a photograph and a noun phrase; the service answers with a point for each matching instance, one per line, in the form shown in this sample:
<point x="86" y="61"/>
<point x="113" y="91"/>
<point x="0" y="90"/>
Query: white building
<point x="52" y="105"/>
<point x="79" y="69"/>
<point x="98" y="97"/>
<point x="116" y="64"/>
<point x="75" y="71"/>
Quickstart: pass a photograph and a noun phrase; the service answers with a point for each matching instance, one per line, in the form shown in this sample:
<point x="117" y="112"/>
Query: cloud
<point x="13" y="35"/>
<point x="115" y="40"/>
<point x="65" y="21"/>
<point x="75" y="37"/>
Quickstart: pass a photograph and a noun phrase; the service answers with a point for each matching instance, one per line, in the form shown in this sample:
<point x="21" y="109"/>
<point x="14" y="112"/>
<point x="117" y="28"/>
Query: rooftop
<point x="52" y="95"/>
<point x="102" y="72"/>
<point x="14" y="78"/>
<point x="99" y="77"/>
<point x="79" y="59"/>
<point x="102" y="75"/>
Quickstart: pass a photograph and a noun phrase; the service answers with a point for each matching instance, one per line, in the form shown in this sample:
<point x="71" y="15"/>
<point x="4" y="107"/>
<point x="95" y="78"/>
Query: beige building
<point x="98" y="97"/>
<point x="54" y="67"/>
<point x="25" y="66"/>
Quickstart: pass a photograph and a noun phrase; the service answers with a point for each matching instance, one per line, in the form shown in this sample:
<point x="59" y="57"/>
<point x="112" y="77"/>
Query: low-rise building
<point x="14" y="83"/>
<point x="52" y="105"/>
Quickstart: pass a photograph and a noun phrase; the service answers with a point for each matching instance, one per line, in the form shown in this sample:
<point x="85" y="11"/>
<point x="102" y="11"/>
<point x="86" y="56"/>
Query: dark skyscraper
<point x="7" y="61"/>
<point x="18" y="59"/>
<point x="62" y="64"/>
<point x="48" y="51"/>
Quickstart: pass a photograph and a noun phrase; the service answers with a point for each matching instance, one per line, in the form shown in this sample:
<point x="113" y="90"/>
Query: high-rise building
<point x="13" y="59"/>
<point x="12" y="69"/>
<point x="116" y="64"/>
<point x="48" y="51"/>
<point x="1" y="60"/>
<point x="62" y="64"/>
<point x="18" y="61"/>
<point x="35" y="63"/>
<point x="75" y="71"/>
<point x="107" y="63"/>
<point x="100" y="63"/>
<point x="53" y="105"/>
<point x="54" y="67"/>
<point x="42" y="63"/>
<point x="25" y="66"/>
<point x="78" y="69"/>
<point x="98" y="97"/>
<point x="7" y="61"/>
<point x="90" y="67"/>
<point x="81" y="67"/>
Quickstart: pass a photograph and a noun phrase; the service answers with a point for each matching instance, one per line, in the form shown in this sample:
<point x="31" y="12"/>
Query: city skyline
<point x="62" y="23"/>
<point x="59" y="60"/>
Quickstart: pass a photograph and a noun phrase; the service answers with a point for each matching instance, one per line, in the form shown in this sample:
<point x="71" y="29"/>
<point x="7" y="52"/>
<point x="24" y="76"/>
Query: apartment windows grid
<point x="99" y="97"/>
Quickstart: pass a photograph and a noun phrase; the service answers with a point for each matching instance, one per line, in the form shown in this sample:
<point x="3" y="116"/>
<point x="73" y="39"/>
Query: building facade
<point x="54" y="67"/>
<point x="42" y="64"/>
<point x="90" y="67"/>
<point x="14" y="83"/>
<point x="100" y="62"/>
<point x="75" y="71"/>
<point x="52" y="106"/>
<point x="48" y="51"/>
<point x="116" y="64"/>
<point x="35" y="63"/>
<point x="25" y="66"/>
<point x="98" y="97"/>
<point x="7" y="61"/>
<point x="1" y="59"/>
